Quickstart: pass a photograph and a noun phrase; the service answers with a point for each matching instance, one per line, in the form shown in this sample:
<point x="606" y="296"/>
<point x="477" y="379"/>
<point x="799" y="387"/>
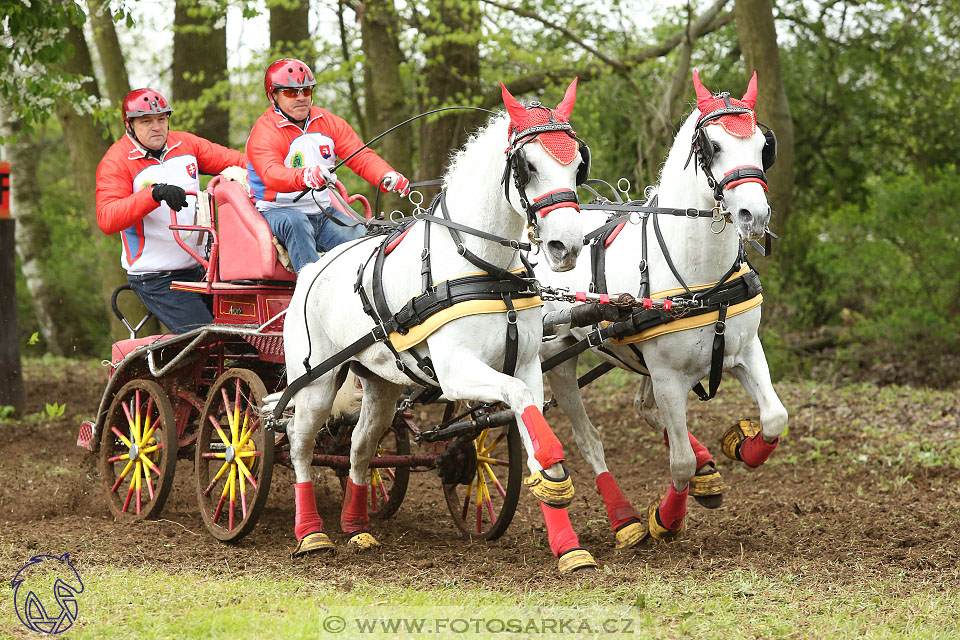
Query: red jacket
<point x="125" y="201"/>
<point x="278" y="148"/>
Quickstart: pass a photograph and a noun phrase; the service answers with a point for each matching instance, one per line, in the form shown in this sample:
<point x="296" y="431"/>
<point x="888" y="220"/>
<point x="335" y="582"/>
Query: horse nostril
<point x="557" y="249"/>
<point x="746" y="216"/>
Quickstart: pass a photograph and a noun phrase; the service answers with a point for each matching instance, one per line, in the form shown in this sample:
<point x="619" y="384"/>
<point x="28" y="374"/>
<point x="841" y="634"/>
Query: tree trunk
<point x="451" y="77"/>
<point x="199" y="71"/>
<point x="87" y="143"/>
<point x="385" y="104"/>
<point x="32" y="234"/>
<point x="758" y="42"/>
<point x="108" y="46"/>
<point x="290" y="30"/>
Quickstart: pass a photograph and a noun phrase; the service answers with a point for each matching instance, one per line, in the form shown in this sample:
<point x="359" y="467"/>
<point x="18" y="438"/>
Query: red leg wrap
<point x="703" y="455"/>
<point x="559" y="531"/>
<point x="754" y="451"/>
<point x="354" y="516"/>
<point x="546" y="448"/>
<point x="308" y="520"/>
<point x="673" y="507"/>
<point x="619" y="509"/>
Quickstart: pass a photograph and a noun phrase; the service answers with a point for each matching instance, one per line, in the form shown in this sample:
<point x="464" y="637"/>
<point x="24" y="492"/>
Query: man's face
<point x="294" y="102"/>
<point x="151" y="130"/>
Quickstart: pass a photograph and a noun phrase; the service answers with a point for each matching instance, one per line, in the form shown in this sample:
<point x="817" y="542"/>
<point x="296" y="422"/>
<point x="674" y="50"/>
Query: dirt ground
<point x="812" y="513"/>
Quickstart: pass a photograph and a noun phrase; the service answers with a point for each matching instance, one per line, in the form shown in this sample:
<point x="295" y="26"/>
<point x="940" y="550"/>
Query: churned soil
<point x="829" y="505"/>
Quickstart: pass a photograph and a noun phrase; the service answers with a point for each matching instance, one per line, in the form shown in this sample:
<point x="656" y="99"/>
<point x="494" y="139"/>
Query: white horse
<point x="728" y="150"/>
<point x="326" y="315"/>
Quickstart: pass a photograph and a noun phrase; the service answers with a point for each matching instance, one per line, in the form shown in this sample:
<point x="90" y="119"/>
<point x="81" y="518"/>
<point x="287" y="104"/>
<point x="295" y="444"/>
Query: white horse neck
<point x="475" y="196"/>
<point x="700" y="255"/>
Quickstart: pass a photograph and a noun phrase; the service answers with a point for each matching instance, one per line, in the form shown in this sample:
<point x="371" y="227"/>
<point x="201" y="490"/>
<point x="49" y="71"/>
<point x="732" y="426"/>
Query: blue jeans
<point x="180" y="311"/>
<point x="306" y="237"/>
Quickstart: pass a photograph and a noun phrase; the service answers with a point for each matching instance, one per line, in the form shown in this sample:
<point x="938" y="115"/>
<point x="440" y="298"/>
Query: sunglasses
<point x="293" y="93"/>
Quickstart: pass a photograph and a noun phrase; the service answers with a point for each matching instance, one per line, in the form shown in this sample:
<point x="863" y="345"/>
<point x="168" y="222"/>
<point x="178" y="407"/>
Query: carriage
<point x="173" y="400"/>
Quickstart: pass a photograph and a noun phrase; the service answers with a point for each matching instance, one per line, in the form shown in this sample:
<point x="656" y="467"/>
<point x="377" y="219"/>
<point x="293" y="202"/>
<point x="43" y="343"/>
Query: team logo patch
<point x="192" y="170"/>
<point x="325" y="150"/>
<point x="45" y="594"/>
<point x="297" y="160"/>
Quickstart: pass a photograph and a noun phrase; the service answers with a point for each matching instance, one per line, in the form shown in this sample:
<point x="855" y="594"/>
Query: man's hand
<point x="174" y="196"/>
<point x="317" y="177"/>
<point x="394" y="181"/>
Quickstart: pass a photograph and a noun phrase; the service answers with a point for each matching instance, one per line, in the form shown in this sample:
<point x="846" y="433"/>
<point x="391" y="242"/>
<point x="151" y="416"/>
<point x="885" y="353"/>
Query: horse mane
<point x="489" y="141"/>
<point x="680" y="149"/>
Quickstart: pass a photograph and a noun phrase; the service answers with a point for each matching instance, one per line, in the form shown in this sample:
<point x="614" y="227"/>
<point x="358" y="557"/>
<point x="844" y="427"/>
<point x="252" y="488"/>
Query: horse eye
<point x="716" y="148"/>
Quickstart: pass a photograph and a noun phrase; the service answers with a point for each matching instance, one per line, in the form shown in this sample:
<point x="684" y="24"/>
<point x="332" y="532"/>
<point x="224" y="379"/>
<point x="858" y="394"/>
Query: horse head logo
<point x="45" y="593"/>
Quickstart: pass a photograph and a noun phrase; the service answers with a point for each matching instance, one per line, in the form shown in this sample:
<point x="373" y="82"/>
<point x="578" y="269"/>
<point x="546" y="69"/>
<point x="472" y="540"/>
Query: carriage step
<point x="466" y="427"/>
<point x="85" y="437"/>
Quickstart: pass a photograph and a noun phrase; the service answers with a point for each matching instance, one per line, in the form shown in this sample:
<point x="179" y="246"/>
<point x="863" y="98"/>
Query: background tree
<point x="200" y="81"/>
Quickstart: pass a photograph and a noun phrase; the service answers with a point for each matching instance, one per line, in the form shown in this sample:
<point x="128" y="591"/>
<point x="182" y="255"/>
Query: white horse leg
<point x="376" y="414"/>
<point x="624" y="519"/>
<point x="754" y="374"/>
<point x="312" y="404"/>
<point x="463" y="376"/>
<point x="666" y="518"/>
<point x="706" y="486"/>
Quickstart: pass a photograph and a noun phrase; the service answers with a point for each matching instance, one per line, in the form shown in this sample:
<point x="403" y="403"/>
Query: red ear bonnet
<point x="559" y="144"/>
<point x="741" y="125"/>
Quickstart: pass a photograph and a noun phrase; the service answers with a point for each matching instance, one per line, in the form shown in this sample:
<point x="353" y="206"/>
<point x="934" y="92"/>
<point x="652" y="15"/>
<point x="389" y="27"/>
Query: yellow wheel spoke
<point x="136" y="418"/>
<point x="493" y="445"/>
<point x="122" y="437"/>
<point x="126" y="470"/>
<point x="245" y="471"/>
<point x="243" y="489"/>
<point x="147" y="462"/>
<point x="223" y="437"/>
<point x="151" y="448"/>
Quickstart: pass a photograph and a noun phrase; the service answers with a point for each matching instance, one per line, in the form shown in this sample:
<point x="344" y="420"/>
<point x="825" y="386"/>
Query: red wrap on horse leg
<point x="703" y="455"/>
<point x="354" y="516"/>
<point x="673" y="507"/>
<point x="754" y="451"/>
<point x="559" y="530"/>
<point x="546" y="448"/>
<point x="619" y="509"/>
<point x="307" y="519"/>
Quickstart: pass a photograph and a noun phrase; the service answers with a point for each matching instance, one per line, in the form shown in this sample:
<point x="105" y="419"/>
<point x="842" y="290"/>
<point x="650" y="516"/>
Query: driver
<point x="292" y="147"/>
<point x="144" y="175"/>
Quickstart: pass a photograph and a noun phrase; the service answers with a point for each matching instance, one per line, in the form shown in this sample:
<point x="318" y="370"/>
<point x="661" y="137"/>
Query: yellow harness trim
<point x="419" y="333"/>
<point x="692" y="322"/>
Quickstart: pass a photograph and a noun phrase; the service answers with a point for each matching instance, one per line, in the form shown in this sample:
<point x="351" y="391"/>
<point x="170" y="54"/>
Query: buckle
<point x="380" y="332"/>
<point x="720" y="327"/>
<point x="643" y="265"/>
<point x="594" y="339"/>
<point x="692" y="213"/>
<point x="512" y="316"/>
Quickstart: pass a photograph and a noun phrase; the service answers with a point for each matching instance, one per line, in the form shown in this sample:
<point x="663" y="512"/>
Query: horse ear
<point x="750" y="97"/>
<point x="565" y="108"/>
<point x="703" y="94"/>
<point x="516" y="110"/>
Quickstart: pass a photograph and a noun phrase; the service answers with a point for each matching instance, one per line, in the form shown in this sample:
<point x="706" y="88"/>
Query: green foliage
<point x="54" y="410"/>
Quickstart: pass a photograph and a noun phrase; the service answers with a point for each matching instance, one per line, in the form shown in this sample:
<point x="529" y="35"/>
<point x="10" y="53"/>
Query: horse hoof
<point x="313" y="542"/>
<point x="631" y="534"/>
<point x="659" y="532"/>
<point x="553" y="493"/>
<point x="707" y="487"/>
<point x="576" y="560"/>
<point x="362" y="541"/>
<point x="736" y="434"/>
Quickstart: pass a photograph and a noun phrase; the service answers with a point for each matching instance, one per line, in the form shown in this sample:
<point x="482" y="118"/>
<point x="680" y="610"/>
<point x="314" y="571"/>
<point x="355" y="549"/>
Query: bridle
<point x="517" y="162"/>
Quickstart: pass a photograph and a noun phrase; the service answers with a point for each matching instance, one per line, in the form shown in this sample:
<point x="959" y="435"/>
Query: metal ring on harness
<point x="624" y="190"/>
<point x="692" y="213"/>
<point x="395" y="216"/>
<point x="515" y="245"/>
<point x="461" y="249"/>
<point x="415" y="203"/>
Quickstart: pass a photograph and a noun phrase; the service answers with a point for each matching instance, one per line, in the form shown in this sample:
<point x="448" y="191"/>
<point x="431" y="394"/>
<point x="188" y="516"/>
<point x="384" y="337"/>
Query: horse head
<point x="732" y="155"/>
<point x="546" y="175"/>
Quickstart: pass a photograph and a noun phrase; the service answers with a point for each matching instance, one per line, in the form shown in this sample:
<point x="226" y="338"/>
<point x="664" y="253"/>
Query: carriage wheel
<point x="234" y="459"/>
<point x="388" y="485"/>
<point x="187" y="408"/>
<point x="484" y="508"/>
<point x="138" y="450"/>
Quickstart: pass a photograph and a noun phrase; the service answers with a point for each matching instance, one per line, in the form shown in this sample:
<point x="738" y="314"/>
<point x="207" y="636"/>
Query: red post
<point x="11" y="377"/>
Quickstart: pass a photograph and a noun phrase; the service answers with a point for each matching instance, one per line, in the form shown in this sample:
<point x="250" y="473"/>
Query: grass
<point x="120" y="602"/>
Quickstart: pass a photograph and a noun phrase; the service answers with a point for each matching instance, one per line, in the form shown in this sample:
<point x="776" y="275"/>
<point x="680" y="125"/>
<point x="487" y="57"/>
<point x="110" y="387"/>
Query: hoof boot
<point x="362" y="541"/>
<point x="706" y="487"/>
<point x="576" y="560"/>
<point x="657" y="531"/>
<point x="312" y="542"/>
<point x="631" y="534"/>
<point x="553" y="493"/>
<point x="736" y="434"/>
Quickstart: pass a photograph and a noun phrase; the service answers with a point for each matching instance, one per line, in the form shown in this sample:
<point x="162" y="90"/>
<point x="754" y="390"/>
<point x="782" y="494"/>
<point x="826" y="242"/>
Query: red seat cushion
<point x="124" y="347"/>
<point x="246" y="242"/>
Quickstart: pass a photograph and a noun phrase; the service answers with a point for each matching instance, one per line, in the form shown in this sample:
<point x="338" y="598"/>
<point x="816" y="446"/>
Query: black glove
<point x="174" y="196"/>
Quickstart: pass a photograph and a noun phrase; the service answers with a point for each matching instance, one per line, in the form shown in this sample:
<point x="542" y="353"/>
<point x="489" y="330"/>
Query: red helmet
<point x="287" y="73"/>
<point x="143" y="102"/>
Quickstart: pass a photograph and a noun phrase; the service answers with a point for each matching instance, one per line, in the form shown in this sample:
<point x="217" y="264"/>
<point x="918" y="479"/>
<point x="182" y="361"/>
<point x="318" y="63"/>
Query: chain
<point x="623" y="300"/>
